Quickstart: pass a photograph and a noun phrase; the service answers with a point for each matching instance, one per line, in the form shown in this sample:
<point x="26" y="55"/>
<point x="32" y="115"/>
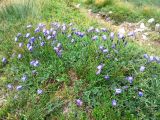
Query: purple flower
<point x="130" y="79"/>
<point x="81" y="34"/>
<point x="94" y="37"/>
<point x="104" y="29"/>
<point x="24" y="78"/>
<point x="9" y="86"/>
<point x="112" y="35"/>
<point x="146" y="56"/>
<point x="20" y="44"/>
<point x="121" y="36"/>
<point x="64" y="28"/>
<point x="30" y="48"/>
<point x="46" y="32"/>
<point x="27" y="35"/>
<point x="32" y="39"/>
<point x="104" y="37"/>
<point x="99" y="67"/>
<point x="105" y="51"/>
<point x="97" y="30"/>
<point x="79" y="102"/>
<point x="114" y="102"/>
<point x="37" y="30"/>
<point x="151" y="58"/>
<point x="106" y="77"/>
<point x="54" y="33"/>
<point x="28" y="45"/>
<point x="131" y="34"/>
<point x="101" y="47"/>
<point x="39" y="91"/>
<point x="42" y="44"/>
<point x="19" y="56"/>
<point x="41" y="25"/>
<point x="140" y="93"/>
<point x="19" y="87"/>
<point x="118" y="91"/>
<point x="4" y="60"/>
<point x="34" y="63"/>
<point x="49" y="37"/>
<point x="142" y="68"/>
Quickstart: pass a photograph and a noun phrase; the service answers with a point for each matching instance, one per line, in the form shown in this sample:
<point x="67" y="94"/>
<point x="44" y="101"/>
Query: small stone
<point x="152" y="20"/>
<point x="157" y="28"/>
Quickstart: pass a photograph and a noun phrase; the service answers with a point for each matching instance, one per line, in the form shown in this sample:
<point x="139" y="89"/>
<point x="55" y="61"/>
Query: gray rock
<point x="157" y="28"/>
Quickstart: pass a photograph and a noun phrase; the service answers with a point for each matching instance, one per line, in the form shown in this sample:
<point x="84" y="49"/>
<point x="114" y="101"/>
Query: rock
<point x="152" y="20"/>
<point x="110" y="12"/>
<point x="144" y="37"/>
<point x="77" y="6"/>
<point x="142" y="26"/>
<point x="157" y="28"/>
<point x="90" y="10"/>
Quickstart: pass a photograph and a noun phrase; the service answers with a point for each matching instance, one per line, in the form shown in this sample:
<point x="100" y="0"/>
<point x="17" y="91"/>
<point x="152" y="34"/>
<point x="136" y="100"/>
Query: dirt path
<point x="151" y="46"/>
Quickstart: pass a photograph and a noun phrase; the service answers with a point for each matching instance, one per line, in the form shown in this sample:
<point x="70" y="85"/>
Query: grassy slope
<point x="145" y="2"/>
<point x="58" y="75"/>
<point x="125" y="11"/>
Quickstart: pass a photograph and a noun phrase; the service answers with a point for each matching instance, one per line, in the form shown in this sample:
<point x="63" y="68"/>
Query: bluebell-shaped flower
<point x="19" y="87"/>
<point x="39" y="91"/>
<point x="79" y="102"/>
<point x="114" y="103"/>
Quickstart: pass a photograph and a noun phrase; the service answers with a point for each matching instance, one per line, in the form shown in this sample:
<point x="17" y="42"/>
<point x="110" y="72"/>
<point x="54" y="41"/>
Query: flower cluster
<point x="38" y="39"/>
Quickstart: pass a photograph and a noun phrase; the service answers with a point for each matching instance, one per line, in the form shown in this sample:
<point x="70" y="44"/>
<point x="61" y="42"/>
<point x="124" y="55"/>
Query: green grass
<point x="131" y="11"/>
<point x="145" y="2"/>
<point x="63" y="80"/>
